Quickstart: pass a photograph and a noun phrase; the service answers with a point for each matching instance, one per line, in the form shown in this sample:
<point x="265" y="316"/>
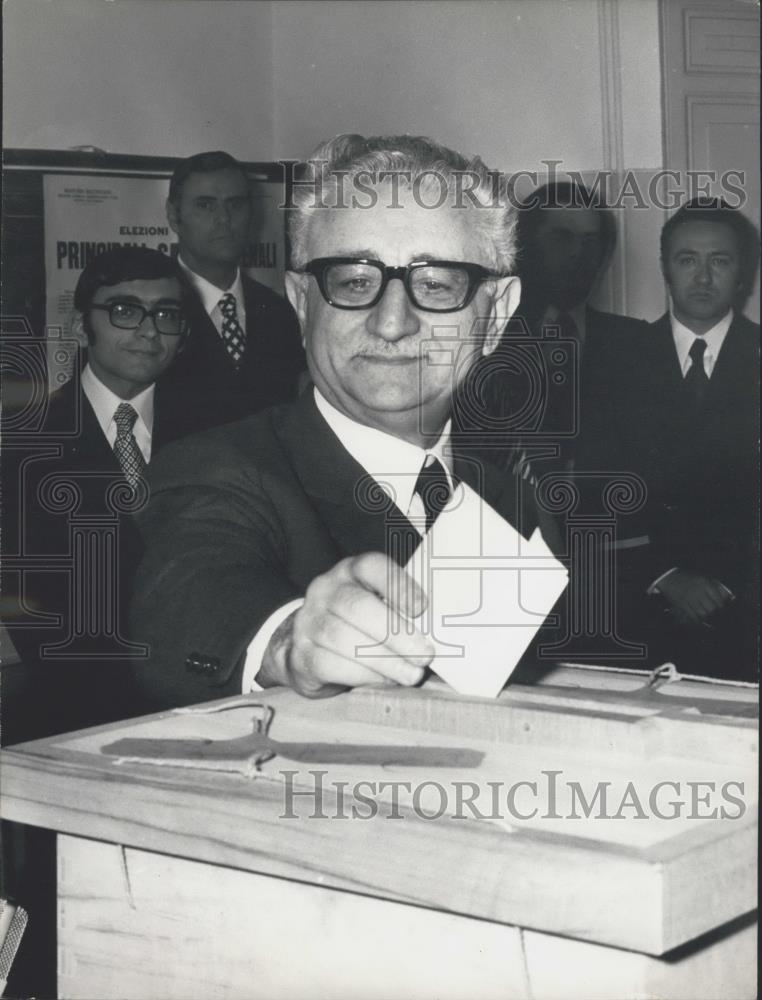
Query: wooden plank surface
<point x="647" y="885"/>
<point x="240" y="936"/>
<point x="585" y="711"/>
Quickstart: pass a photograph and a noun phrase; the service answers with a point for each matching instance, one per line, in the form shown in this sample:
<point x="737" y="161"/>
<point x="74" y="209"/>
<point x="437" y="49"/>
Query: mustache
<point x="393" y="357"/>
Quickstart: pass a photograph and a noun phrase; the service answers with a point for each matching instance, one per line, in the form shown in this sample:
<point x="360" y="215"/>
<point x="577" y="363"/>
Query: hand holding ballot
<point x="354" y="628"/>
<point x="470" y="602"/>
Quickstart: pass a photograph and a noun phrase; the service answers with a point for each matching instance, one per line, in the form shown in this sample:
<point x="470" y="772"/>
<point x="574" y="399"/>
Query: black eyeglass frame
<point x="476" y="275"/>
<point x="146" y="312"/>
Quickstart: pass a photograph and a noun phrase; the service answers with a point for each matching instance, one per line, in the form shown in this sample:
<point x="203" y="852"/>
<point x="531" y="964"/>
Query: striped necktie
<point x="126" y="449"/>
<point x="232" y="334"/>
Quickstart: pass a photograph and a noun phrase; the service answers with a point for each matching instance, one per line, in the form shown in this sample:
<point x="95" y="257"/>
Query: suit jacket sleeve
<point x="212" y="573"/>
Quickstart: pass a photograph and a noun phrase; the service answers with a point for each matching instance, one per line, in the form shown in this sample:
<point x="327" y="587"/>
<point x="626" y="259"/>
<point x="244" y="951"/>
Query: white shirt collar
<point x="392" y="462"/>
<point x="210" y="294"/>
<point x="684" y="337"/>
<point x="105" y="402"/>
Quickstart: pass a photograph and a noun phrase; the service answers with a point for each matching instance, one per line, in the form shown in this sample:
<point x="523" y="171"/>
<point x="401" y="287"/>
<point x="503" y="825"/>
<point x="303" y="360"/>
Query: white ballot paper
<point x="489" y="591"/>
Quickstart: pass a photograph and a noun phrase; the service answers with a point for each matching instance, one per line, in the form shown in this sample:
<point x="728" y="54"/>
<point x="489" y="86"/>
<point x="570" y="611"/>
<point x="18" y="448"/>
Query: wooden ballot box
<point x="588" y="835"/>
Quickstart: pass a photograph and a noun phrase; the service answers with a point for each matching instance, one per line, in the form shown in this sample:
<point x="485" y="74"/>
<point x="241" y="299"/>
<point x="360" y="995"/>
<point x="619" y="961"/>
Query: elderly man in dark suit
<point x="244" y="351"/>
<point x="70" y="487"/>
<point x="684" y="415"/>
<point x="269" y="553"/>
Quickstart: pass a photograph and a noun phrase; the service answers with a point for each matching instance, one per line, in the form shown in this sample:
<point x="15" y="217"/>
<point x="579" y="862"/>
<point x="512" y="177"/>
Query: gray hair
<point x="421" y="164"/>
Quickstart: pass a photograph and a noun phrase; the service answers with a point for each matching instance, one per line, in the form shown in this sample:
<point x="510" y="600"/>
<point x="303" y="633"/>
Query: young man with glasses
<point x="77" y="480"/>
<point x="70" y="546"/>
<point x="271" y="535"/>
<point x="129" y="305"/>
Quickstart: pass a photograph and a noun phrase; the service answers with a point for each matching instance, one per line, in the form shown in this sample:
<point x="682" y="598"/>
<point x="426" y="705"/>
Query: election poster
<point x="86" y="214"/>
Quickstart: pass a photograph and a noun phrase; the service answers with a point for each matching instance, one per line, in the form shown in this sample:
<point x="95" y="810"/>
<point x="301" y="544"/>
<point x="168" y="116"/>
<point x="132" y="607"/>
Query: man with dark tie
<point x="274" y="545"/>
<point x="244" y="351"/>
<point x="69" y="491"/>
<point x="684" y="415"/>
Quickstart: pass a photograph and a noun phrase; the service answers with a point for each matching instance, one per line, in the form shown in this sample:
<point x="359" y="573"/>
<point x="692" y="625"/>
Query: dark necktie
<point x="232" y="334"/>
<point x="433" y="487"/>
<point x="126" y="449"/>
<point x="696" y="379"/>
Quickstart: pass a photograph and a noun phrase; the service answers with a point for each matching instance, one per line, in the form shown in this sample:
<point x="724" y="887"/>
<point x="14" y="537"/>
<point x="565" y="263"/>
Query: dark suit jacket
<point x="535" y="394"/>
<point x="241" y="519"/>
<point x="571" y="405"/>
<point x="90" y="684"/>
<point x="271" y="366"/>
<point x="701" y="474"/>
<point x="70" y="443"/>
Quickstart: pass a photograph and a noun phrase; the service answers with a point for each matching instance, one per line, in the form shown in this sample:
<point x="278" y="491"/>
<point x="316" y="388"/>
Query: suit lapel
<point x="358" y="513"/>
<point x="733" y="365"/>
<point x="160" y="432"/>
<point x="671" y="429"/>
<point x="253" y="306"/>
<point x="665" y="365"/>
<point x="89" y="448"/>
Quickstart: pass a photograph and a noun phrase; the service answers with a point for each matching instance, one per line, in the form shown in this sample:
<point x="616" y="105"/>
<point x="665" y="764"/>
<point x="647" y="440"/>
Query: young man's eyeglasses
<point x="431" y="285"/>
<point x="168" y="320"/>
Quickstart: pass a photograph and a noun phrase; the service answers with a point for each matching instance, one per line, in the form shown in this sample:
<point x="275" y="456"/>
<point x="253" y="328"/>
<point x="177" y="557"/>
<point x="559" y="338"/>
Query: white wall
<point x="514" y="80"/>
<point x="640" y="77"/>
<point x="151" y="77"/>
<point x="517" y="81"/>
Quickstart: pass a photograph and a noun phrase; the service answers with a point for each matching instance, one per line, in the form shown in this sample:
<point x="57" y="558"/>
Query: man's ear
<point x="663" y="267"/>
<point x="505" y="302"/>
<point x="172" y="214"/>
<point x="296" y="290"/>
<point x="77" y="328"/>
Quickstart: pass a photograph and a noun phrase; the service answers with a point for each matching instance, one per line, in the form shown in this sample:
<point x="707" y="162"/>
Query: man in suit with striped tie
<point x="244" y="351"/>
<point x="70" y="490"/>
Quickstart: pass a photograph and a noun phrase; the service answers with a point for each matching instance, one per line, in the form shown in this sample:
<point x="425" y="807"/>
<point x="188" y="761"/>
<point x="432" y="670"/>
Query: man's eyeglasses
<point x="431" y="285"/>
<point x="168" y="320"/>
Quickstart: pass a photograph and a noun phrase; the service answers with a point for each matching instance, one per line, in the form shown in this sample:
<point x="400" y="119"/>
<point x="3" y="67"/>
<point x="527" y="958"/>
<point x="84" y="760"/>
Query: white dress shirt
<point x="394" y="464"/>
<point x="684" y="338"/>
<point x="210" y="296"/>
<point x="105" y="402"/>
